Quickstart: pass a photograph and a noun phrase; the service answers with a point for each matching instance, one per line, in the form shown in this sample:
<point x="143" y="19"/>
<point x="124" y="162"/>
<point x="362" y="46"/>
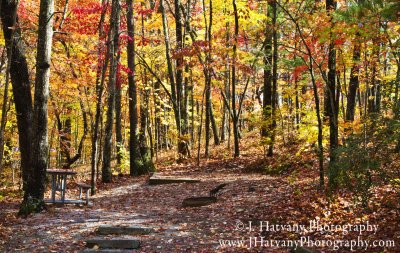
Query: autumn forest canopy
<point x="122" y="87"/>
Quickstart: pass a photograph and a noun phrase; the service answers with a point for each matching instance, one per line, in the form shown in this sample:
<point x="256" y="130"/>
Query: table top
<point x="58" y="171"/>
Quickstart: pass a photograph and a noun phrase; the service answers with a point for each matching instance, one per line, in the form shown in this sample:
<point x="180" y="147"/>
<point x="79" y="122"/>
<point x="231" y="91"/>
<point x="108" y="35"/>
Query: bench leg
<point x="87" y="196"/>
<point x="80" y="192"/>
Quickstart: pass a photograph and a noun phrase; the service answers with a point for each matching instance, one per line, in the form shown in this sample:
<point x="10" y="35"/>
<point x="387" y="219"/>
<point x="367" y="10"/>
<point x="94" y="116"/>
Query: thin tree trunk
<point x="274" y="76"/>
<point x="267" y="87"/>
<point x="118" y="122"/>
<point x="332" y="103"/>
<point x="114" y="58"/>
<point x="235" y="118"/>
<point x="100" y="78"/>
<point x="354" y="82"/>
<point x="5" y="106"/>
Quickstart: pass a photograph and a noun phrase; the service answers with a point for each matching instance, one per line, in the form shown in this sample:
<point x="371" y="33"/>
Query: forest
<point x="200" y="126"/>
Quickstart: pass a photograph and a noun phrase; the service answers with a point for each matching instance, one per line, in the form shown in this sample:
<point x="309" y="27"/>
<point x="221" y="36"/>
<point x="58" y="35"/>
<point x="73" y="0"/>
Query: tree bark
<point x="134" y="153"/>
<point x="118" y="122"/>
<point x="267" y="88"/>
<point x="235" y="118"/>
<point x="114" y="59"/>
<point x="20" y="85"/>
<point x="100" y="77"/>
<point x="274" y="76"/>
<point x="33" y="197"/>
<point x="5" y="106"/>
<point x="354" y="82"/>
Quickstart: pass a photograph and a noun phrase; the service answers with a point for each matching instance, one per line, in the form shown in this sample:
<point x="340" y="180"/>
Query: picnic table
<point x="59" y="184"/>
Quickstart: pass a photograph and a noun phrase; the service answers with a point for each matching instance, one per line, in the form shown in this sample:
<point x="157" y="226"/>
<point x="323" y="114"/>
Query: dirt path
<point x="246" y="198"/>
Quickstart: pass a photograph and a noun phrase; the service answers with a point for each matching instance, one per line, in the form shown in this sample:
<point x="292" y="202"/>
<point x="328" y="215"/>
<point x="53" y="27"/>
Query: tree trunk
<point x="5" y="106"/>
<point x="100" y="77"/>
<point x="33" y="197"/>
<point x="214" y="126"/>
<point x="21" y="87"/>
<point x="114" y="59"/>
<point x="134" y="154"/>
<point x="118" y="122"/>
<point x="267" y="87"/>
<point x="233" y="92"/>
<point x="354" y="82"/>
<point x="274" y="76"/>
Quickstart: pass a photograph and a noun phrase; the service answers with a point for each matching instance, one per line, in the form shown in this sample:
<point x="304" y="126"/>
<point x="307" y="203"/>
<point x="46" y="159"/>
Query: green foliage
<point x="360" y="164"/>
<point x="143" y="164"/>
<point x="124" y="153"/>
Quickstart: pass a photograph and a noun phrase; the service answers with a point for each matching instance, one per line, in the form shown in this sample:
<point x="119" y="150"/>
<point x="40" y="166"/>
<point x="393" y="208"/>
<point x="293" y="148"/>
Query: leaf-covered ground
<point x="287" y="198"/>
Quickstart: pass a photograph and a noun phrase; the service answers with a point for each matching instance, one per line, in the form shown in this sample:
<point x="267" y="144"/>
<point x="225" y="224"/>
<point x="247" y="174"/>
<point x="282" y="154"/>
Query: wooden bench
<point x="84" y="188"/>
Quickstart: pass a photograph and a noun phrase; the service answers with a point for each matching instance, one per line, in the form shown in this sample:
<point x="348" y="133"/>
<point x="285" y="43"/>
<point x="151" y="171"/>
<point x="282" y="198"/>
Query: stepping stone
<point x="171" y="180"/>
<point x="124" y="230"/>
<point x="114" y="243"/>
<point x="302" y="250"/>
<point x="105" y="251"/>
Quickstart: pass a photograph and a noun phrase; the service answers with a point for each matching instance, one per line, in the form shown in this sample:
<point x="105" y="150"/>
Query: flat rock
<point x="114" y="243"/>
<point x="124" y="230"/>
<point x="171" y="180"/>
<point x="302" y="250"/>
<point x="105" y="251"/>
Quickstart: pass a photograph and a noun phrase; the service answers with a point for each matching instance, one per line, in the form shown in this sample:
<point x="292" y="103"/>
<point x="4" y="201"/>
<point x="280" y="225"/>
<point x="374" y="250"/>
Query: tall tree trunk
<point x="207" y="76"/>
<point x="33" y="197"/>
<point x="214" y="126"/>
<point x="20" y="85"/>
<point x="134" y="154"/>
<point x="267" y="88"/>
<point x="354" y="82"/>
<point x="100" y="78"/>
<point x="5" y="105"/>
<point x="373" y="101"/>
<point x="114" y="58"/>
<point x="332" y="102"/>
<point x="183" y="147"/>
<point x="235" y="118"/>
<point x="274" y="75"/>
<point x="118" y="122"/>
<point x="173" y="77"/>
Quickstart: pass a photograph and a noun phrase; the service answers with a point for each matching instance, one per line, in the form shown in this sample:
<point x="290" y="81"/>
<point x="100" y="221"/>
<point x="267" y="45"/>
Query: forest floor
<point x="287" y="195"/>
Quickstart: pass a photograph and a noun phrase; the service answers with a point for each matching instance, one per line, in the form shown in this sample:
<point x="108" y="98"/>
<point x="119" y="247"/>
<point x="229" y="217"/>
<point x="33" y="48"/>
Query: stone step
<point x="302" y="250"/>
<point x="124" y="230"/>
<point x="171" y="180"/>
<point x="105" y="251"/>
<point x="113" y="243"/>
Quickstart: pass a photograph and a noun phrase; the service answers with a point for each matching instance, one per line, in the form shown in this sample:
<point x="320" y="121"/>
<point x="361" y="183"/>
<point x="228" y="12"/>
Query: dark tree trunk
<point x="5" y="106"/>
<point x="354" y="82"/>
<point x="134" y="154"/>
<point x="114" y="59"/>
<point x="100" y="77"/>
<point x="118" y="123"/>
<point x="267" y="88"/>
<point x="332" y="104"/>
<point x="20" y="85"/>
<point x="233" y="92"/>
<point x="35" y="194"/>
<point x="374" y="90"/>
<point x="214" y="127"/>
<point x="274" y="76"/>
